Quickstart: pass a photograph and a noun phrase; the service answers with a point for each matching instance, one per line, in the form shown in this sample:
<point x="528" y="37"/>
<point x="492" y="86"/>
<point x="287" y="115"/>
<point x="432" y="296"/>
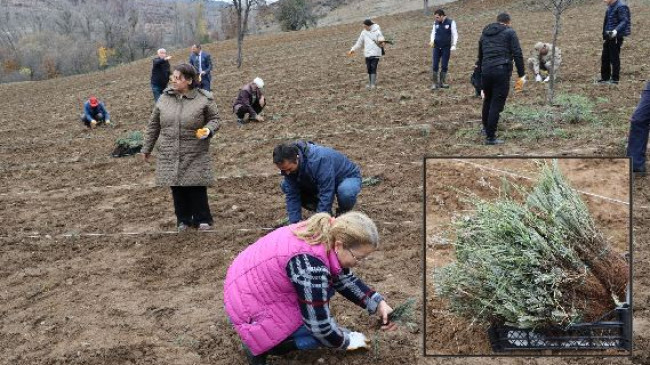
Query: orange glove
<point x="350" y="53"/>
<point x="519" y="85"/>
<point x="202" y="133"/>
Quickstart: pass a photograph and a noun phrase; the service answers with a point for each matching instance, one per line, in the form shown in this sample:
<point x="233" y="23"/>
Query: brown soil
<point x="136" y="294"/>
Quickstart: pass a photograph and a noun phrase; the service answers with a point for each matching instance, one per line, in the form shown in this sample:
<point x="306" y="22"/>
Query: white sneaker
<point x="182" y="227"/>
<point x="204" y="227"/>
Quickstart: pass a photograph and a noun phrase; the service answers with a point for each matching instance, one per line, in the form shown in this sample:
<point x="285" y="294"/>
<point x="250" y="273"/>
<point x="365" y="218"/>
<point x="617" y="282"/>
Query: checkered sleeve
<point x="311" y="279"/>
<point x="356" y="291"/>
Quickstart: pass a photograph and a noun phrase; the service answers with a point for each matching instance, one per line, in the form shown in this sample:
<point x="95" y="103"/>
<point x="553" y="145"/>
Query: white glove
<point x="357" y="341"/>
<point x="538" y="78"/>
<point x="482" y="95"/>
<point x="613" y="34"/>
<point x="547" y="79"/>
<point x="453" y="48"/>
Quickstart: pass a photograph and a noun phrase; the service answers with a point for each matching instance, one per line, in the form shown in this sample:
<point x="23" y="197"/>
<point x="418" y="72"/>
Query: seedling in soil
<point x="371" y="181"/>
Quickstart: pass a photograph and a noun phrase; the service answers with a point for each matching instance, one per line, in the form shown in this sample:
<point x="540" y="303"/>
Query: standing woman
<point x="185" y="118"/>
<point x="277" y="290"/>
<point x="372" y="42"/>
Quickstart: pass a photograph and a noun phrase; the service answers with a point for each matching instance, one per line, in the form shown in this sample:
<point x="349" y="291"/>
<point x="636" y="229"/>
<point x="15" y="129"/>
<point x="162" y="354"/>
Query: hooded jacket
<point x="368" y="39"/>
<point x="499" y="45"/>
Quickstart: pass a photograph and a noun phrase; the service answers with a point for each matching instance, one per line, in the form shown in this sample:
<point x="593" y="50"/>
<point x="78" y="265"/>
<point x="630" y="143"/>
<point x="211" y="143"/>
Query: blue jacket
<point x="320" y="171"/>
<point x="617" y="17"/>
<point x="206" y="63"/>
<point x="91" y="112"/>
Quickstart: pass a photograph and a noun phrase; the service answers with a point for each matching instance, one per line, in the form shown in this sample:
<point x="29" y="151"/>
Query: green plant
<point x="575" y="108"/>
<point x="132" y="139"/>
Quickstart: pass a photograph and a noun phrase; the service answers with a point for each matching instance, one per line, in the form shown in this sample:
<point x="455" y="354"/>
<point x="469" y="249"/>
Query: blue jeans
<point x="205" y="82"/>
<point x="346" y="195"/>
<point x="157" y="91"/>
<point x="637" y="142"/>
<point x="438" y="53"/>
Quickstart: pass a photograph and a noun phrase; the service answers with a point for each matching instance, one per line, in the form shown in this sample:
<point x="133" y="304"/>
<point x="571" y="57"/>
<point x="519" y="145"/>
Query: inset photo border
<point x="527" y="256"/>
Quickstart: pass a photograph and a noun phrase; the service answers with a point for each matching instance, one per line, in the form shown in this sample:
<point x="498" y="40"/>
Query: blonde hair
<point x="353" y="229"/>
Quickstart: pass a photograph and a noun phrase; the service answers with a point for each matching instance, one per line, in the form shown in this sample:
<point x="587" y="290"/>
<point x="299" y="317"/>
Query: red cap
<point x="93" y="101"/>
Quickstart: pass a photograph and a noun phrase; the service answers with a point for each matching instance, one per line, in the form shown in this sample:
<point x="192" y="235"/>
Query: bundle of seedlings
<point x="128" y="145"/>
<point x="540" y="263"/>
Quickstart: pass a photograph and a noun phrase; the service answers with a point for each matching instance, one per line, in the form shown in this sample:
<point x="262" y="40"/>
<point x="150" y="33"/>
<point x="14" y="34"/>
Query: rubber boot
<point x="443" y="80"/>
<point x="373" y="81"/>
<point x="434" y="86"/>
<point x="369" y="84"/>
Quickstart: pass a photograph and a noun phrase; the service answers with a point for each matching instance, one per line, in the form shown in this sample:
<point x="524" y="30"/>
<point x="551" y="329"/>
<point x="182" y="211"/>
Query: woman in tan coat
<point x="184" y="119"/>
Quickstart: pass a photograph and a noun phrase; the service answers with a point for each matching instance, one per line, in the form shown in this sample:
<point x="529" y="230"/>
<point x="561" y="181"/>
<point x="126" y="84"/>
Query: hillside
<point x="93" y="273"/>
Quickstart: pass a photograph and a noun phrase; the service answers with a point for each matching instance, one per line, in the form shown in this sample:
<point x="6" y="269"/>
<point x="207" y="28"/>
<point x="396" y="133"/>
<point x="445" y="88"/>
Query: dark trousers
<point x="205" y="82"/>
<point x="191" y="205"/>
<point x="371" y="65"/>
<point x="241" y="112"/>
<point x="157" y="91"/>
<point x="610" y="61"/>
<point x="637" y="142"/>
<point x="441" y="53"/>
<point x="99" y="117"/>
<point x="496" y="85"/>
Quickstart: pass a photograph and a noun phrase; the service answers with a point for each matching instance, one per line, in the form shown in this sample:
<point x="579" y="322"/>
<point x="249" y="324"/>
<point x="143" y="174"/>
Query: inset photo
<point x="528" y="256"/>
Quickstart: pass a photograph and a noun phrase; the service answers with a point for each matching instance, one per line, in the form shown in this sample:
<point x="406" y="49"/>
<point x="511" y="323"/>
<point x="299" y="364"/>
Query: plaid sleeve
<point x="311" y="279"/>
<point x="357" y="291"/>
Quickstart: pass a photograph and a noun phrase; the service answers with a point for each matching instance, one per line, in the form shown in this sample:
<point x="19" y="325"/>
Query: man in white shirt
<point x="444" y="36"/>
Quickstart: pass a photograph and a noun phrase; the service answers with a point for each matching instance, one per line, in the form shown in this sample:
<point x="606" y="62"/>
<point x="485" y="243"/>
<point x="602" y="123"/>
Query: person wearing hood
<point x="497" y="48"/>
<point x="372" y="42"/>
<point x="444" y="37"/>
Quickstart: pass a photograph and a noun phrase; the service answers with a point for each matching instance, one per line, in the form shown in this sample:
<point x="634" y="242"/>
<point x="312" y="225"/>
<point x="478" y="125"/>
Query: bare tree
<point x="426" y="7"/>
<point x="242" y="9"/>
<point x="557" y="7"/>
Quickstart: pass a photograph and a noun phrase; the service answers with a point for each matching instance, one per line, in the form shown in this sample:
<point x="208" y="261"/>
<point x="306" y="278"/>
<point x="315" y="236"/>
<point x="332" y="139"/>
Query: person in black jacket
<point x="615" y="27"/>
<point x="160" y="72"/>
<point x="497" y="48"/>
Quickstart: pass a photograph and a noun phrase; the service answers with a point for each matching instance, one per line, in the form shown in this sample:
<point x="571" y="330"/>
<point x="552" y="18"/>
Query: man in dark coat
<point x="313" y="176"/>
<point x="637" y="143"/>
<point x="249" y="102"/>
<point x="202" y="62"/>
<point x="616" y="26"/>
<point x="160" y="72"/>
<point x="497" y="48"/>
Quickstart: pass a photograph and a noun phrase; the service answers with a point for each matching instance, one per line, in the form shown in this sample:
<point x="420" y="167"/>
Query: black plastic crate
<point x="611" y="331"/>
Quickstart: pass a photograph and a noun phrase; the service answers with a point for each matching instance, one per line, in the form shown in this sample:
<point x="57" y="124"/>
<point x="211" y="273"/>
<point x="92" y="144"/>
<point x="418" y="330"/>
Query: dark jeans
<point x="205" y="82"/>
<point x="157" y="91"/>
<point x="191" y="205"/>
<point x="346" y="195"/>
<point x="637" y="142"/>
<point x="371" y="65"/>
<point x="241" y="112"/>
<point x="496" y="85"/>
<point x="438" y="53"/>
<point x="610" y="61"/>
<point x="99" y="117"/>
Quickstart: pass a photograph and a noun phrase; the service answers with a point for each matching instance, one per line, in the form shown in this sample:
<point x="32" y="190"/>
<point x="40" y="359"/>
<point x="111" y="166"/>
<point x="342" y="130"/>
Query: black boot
<point x="443" y="80"/>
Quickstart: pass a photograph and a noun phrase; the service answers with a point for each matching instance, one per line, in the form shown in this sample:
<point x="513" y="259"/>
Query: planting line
<point x="612" y="200"/>
<point x="150" y="233"/>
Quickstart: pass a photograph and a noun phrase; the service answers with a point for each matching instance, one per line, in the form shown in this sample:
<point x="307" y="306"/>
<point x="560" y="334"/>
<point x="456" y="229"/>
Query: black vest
<point x="443" y="33"/>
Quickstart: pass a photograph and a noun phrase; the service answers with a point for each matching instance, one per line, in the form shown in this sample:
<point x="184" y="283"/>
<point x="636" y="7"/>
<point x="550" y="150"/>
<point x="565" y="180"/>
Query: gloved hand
<point x="547" y="79"/>
<point x="612" y="34"/>
<point x="431" y="44"/>
<point x="357" y="341"/>
<point x="482" y="95"/>
<point x="93" y="123"/>
<point x="202" y="133"/>
<point x="538" y="78"/>
<point x="453" y="48"/>
<point x="519" y="85"/>
<point x="108" y="122"/>
<point x="350" y="53"/>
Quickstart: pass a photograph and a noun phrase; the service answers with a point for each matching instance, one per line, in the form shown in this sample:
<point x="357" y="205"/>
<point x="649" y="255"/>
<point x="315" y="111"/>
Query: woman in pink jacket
<point x="277" y="290"/>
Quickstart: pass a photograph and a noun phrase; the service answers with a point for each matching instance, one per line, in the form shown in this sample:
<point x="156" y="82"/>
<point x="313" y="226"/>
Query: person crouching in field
<point x="185" y="118"/>
<point x="277" y="291"/>
<point x="372" y="42"/>
<point x="540" y="60"/>
<point x="249" y="102"/>
<point x="94" y="113"/>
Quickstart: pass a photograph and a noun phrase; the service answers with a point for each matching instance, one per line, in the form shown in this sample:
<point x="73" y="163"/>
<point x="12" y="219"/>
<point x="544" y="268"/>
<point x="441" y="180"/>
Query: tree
<point x="557" y="7"/>
<point x="242" y="10"/>
<point x="295" y="14"/>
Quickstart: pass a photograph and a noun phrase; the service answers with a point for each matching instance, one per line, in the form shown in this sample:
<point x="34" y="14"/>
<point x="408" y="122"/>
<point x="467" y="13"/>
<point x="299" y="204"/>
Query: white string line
<point x="226" y="177"/>
<point x="613" y="200"/>
<point x="151" y="233"/>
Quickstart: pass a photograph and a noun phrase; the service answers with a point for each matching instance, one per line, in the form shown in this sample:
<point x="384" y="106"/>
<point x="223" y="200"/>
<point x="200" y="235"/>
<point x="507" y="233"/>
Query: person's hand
<point x="168" y="58"/>
<point x="93" y="123"/>
<point x="453" y="48"/>
<point x="482" y="95"/>
<point x="259" y="118"/>
<point x="358" y="341"/>
<point x="384" y="311"/>
<point x="538" y="78"/>
<point x="202" y="133"/>
<point x="145" y="157"/>
<point x="350" y="53"/>
<point x="519" y="85"/>
<point x="431" y="44"/>
<point x="612" y="34"/>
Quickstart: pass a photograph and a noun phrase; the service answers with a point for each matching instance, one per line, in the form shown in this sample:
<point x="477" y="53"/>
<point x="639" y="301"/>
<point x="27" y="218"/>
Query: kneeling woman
<point x="277" y="290"/>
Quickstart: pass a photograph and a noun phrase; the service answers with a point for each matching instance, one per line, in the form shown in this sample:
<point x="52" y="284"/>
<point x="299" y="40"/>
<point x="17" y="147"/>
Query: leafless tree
<point x="242" y="9"/>
<point x="557" y="7"/>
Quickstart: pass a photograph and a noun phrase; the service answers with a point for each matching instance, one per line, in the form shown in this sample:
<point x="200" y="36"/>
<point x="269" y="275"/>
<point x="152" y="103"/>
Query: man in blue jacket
<point x="616" y="26"/>
<point x="202" y="62"/>
<point x="313" y="175"/>
<point x="94" y="112"/>
<point x="637" y="143"/>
